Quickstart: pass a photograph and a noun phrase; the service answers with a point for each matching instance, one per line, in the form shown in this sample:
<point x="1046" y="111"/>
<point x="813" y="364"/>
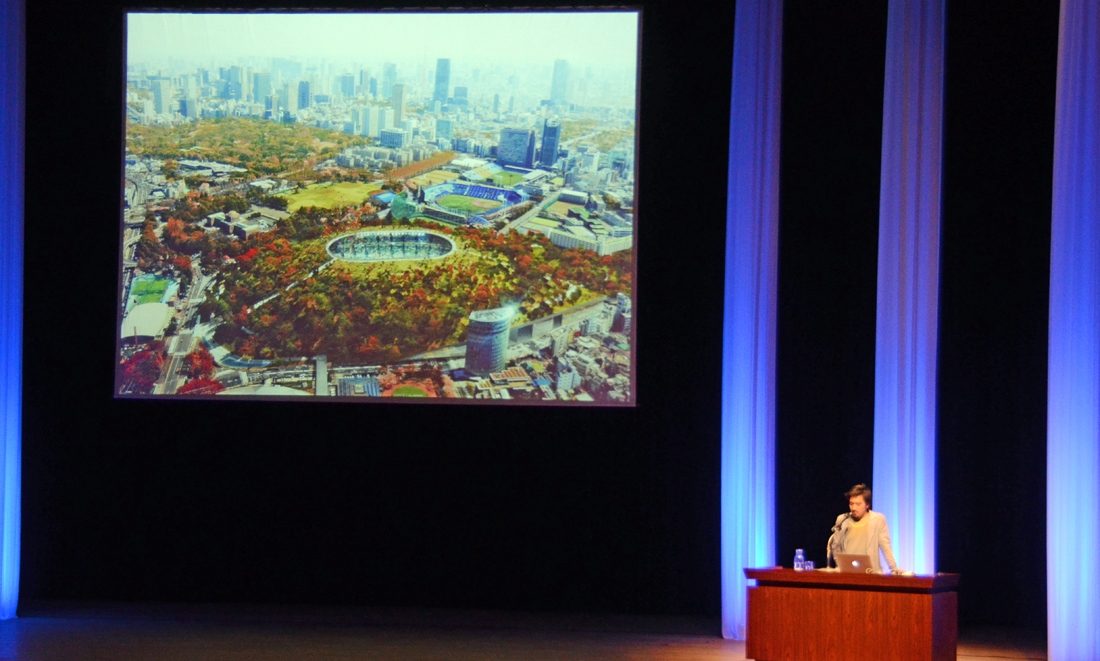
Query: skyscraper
<point x="442" y="80"/>
<point x="551" y="142"/>
<point x="235" y="88"/>
<point x="162" y="95"/>
<point x="462" y="96"/>
<point x="487" y="340"/>
<point x="368" y="120"/>
<point x="303" y="94"/>
<point x="363" y="86"/>
<point x="189" y="107"/>
<point x="516" y="147"/>
<point x="559" y="83"/>
<point x="261" y="86"/>
<point x="345" y="85"/>
<point x="398" y="101"/>
<point x="385" y="121"/>
<point x="288" y="99"/>
<point x="389" y="79"/>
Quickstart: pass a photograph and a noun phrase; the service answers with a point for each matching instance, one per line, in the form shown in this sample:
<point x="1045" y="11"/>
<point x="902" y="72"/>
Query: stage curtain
<point x="12" y="85"/>
<point x="904" y="480"/>
<point x="1073" y="369"/>
<point x="748" y="351"/>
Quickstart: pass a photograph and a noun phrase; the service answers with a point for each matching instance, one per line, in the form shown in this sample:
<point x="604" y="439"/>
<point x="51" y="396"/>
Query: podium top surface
<point x="825" y="578"/>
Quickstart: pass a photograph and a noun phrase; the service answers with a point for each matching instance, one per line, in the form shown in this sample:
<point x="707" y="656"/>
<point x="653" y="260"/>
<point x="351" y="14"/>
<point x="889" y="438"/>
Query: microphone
<point x="840" y="524"/>
<point x="829" y="544"/>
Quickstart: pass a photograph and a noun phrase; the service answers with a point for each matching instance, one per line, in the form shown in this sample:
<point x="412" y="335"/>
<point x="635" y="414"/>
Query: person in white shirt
<point x="861" y="530"/>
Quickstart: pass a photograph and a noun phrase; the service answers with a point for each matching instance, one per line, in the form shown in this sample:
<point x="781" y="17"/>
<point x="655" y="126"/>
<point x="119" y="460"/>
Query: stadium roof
<point x="495" y="314"/>
<point x="146" y="320"/>
<point x="263" y="389"/>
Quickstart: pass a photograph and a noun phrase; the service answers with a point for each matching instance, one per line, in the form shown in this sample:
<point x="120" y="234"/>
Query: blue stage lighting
<point x="748" y="352"/>
<point x="12" y="98"/>
<point x="908" y="280"/>
<point x="1073" y="368"/>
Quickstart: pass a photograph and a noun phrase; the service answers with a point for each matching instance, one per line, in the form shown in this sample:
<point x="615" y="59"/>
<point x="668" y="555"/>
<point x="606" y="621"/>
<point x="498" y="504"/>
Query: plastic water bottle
<point x="799" y="559"/>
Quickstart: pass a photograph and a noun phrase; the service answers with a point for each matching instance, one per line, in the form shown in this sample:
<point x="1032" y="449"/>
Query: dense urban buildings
<point x="378" y="227"/>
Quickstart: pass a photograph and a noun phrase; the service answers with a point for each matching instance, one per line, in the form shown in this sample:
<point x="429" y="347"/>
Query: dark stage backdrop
<point x="999" y="137"/>
<point x="370" y="504"/>
<point x="613" y="510"/>
<point x="999" y="123"/>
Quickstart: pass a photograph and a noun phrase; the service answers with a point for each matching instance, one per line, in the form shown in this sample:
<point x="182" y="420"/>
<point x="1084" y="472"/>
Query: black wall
<point x="537" y="508"/>
<point x="995" y="241"/>
<point x="597" y="509"/>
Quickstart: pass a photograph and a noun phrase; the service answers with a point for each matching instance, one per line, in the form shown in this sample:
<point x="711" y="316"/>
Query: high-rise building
<point x="368" y="120"/>
<point x="288" y="101"/>
<point x="444" y="128"/>
<point x="559" y="340"/>
<point x="487" y="340"/>
<point x="246" y="83"/>
<point x="462" y="96"/>
<point x="235" y="88"/>
<point x="345" y="85"/>
<point x="395" y="138"/>
<point x="189" y="107"/>
<point x="516" y="147"/>
<point x="389" y="79"/>
<point x="162" y="95"/>
<point x="621" y="322"/>
<point x="442" y="79"/>
<point x="568" y="378"/>
<point x="551" y="141"/>
<point x="385" y="121"/>
<point x="398" y="100"/>
<point x="261" y="86"/>
<point x="303" y="94"/>
<point x="559" y="83"/>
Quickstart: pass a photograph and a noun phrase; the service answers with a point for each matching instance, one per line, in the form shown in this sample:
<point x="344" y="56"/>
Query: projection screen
<point x="413" y="206"/>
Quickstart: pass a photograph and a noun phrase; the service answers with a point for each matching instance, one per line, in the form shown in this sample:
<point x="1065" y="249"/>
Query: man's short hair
<point x="860" y="489"/>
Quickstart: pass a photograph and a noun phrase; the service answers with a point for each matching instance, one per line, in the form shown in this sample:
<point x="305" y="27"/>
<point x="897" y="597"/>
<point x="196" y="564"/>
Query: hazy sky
<point x="595" y="38"/>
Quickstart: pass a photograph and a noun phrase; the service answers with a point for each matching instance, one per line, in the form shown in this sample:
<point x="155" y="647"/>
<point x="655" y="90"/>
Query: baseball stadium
<point x="466" y="203"/>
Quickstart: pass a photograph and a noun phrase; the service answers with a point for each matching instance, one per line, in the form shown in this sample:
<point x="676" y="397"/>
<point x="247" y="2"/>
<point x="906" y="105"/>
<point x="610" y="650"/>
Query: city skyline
<point x="338" y="222"/>
<point x="601" y="40"/>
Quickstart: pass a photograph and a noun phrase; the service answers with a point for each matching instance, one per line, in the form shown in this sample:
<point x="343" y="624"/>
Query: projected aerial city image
<point x="372" y="206"/>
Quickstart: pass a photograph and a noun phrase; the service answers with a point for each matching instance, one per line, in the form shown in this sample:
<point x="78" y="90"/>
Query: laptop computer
<point x="854" y="563"/>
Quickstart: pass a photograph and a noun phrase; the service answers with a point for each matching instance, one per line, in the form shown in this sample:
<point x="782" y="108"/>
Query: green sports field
<point x="409" y="391"/>
<point x="463" y="204"/>
<point x="330" y="195"/>
<point x="148" y="290"/>
<point x="506" y="179"/>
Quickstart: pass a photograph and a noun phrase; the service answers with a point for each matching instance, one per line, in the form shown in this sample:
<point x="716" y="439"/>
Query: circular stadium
<point x="390" y="246"/>
<point x="468" y="203"/>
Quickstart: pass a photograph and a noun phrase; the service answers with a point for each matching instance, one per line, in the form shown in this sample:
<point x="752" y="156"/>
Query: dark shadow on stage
<point x="174" y="631"/>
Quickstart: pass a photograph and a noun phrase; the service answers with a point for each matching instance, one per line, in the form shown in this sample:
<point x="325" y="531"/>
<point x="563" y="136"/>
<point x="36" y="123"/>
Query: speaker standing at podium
<point x="860" y="530"/>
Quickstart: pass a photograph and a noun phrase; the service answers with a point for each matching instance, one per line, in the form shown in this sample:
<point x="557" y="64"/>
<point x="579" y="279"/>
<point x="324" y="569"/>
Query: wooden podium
<point x="829" y="615"/>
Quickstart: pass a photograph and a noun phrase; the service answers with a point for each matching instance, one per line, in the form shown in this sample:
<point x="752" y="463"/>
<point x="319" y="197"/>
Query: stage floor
<point x="168" y="632"/>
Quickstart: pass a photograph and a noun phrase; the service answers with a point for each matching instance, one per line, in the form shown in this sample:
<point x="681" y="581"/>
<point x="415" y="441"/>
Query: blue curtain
<point x="904" y="481"/>
<point x="1073" y="369"/>
<point x="748" y="350"/>
<point x="12" y="98"/>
